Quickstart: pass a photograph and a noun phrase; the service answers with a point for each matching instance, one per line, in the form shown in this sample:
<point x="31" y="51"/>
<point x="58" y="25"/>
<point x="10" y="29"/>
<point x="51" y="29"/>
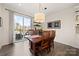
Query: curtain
<point x="11" y="26"/>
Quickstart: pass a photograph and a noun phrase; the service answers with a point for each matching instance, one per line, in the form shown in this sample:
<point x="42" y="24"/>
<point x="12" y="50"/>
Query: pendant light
<point x="40" y="16"/>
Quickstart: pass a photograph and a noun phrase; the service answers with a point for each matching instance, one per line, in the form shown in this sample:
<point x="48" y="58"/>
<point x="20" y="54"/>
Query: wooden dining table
<point x="33" y="42"/>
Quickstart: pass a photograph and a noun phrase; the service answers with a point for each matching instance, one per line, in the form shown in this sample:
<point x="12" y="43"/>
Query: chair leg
<point x="36" y="54"/>
<point x="53" y="44"/>
<point x="41" y="53"/>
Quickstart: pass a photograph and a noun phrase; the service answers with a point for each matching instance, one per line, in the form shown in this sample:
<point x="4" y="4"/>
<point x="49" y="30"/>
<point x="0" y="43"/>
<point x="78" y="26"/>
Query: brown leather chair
<point x="31" y="32"/>
<point x="46" y="34"/>
<point x="45" y="44"/>
<point x="52" y="36"/>
<point x="48" y="41"/>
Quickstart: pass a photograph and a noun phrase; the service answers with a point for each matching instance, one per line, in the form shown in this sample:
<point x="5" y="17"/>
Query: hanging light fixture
<point x="40" y="16"/>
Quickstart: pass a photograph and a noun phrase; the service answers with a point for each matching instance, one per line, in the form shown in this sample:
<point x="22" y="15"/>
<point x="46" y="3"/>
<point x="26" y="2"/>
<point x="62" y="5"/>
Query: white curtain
<point x="11" y="26"/>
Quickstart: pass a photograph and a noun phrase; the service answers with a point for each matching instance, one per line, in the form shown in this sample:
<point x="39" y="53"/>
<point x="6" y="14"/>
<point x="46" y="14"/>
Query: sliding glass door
<point x="22" y="24"/>
<point x="27" y="24"/>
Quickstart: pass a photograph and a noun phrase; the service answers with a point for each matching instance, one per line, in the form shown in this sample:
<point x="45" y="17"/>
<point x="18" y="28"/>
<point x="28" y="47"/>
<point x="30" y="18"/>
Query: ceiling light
<point x="40" y="16"/>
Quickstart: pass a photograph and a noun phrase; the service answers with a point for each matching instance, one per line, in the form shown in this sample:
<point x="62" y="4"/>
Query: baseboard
<point x="7" y="44"/>
<point x="11" y="44"/>
<point x="67" y="44"/>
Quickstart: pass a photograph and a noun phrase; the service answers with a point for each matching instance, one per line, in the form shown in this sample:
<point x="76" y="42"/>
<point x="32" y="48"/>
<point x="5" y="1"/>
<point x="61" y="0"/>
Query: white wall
<point x="4" y="30"/>
<point x="66" y="34"/>
<point x="0" y="29"/>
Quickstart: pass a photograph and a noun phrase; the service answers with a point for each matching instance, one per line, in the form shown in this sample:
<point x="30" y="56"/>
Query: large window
<point x="18" y="24"/>
<point x="22" y="24"/>
<point x="27" y="24"/>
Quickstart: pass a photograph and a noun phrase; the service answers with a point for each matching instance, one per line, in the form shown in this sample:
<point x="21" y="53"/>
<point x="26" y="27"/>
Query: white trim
<point x="68" y="44"/>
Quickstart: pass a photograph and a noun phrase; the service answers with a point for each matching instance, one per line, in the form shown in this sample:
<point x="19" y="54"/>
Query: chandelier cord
<point x="40" y="7"/>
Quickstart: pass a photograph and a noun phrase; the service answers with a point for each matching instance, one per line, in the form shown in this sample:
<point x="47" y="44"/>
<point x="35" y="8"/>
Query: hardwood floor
<point x="22" y="49"/>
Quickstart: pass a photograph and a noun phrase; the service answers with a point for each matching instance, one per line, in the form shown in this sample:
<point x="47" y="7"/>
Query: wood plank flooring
<point x="22" y="49"/>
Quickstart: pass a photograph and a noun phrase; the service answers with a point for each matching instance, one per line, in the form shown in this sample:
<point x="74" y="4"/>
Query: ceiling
<point x="32" y="8"/>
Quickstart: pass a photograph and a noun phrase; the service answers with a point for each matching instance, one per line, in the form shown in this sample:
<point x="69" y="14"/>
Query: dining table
<point x="34" y="41"/>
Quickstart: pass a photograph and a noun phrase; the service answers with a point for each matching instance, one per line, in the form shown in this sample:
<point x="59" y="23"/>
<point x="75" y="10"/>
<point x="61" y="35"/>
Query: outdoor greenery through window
<point x="22" y="24"/>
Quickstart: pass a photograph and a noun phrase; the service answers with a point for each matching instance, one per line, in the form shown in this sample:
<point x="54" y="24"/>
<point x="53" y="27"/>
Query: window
<point x="22" y="24"/>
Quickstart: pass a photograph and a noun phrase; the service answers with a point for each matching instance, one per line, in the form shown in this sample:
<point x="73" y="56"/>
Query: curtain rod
<point x="18" y="12"/>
